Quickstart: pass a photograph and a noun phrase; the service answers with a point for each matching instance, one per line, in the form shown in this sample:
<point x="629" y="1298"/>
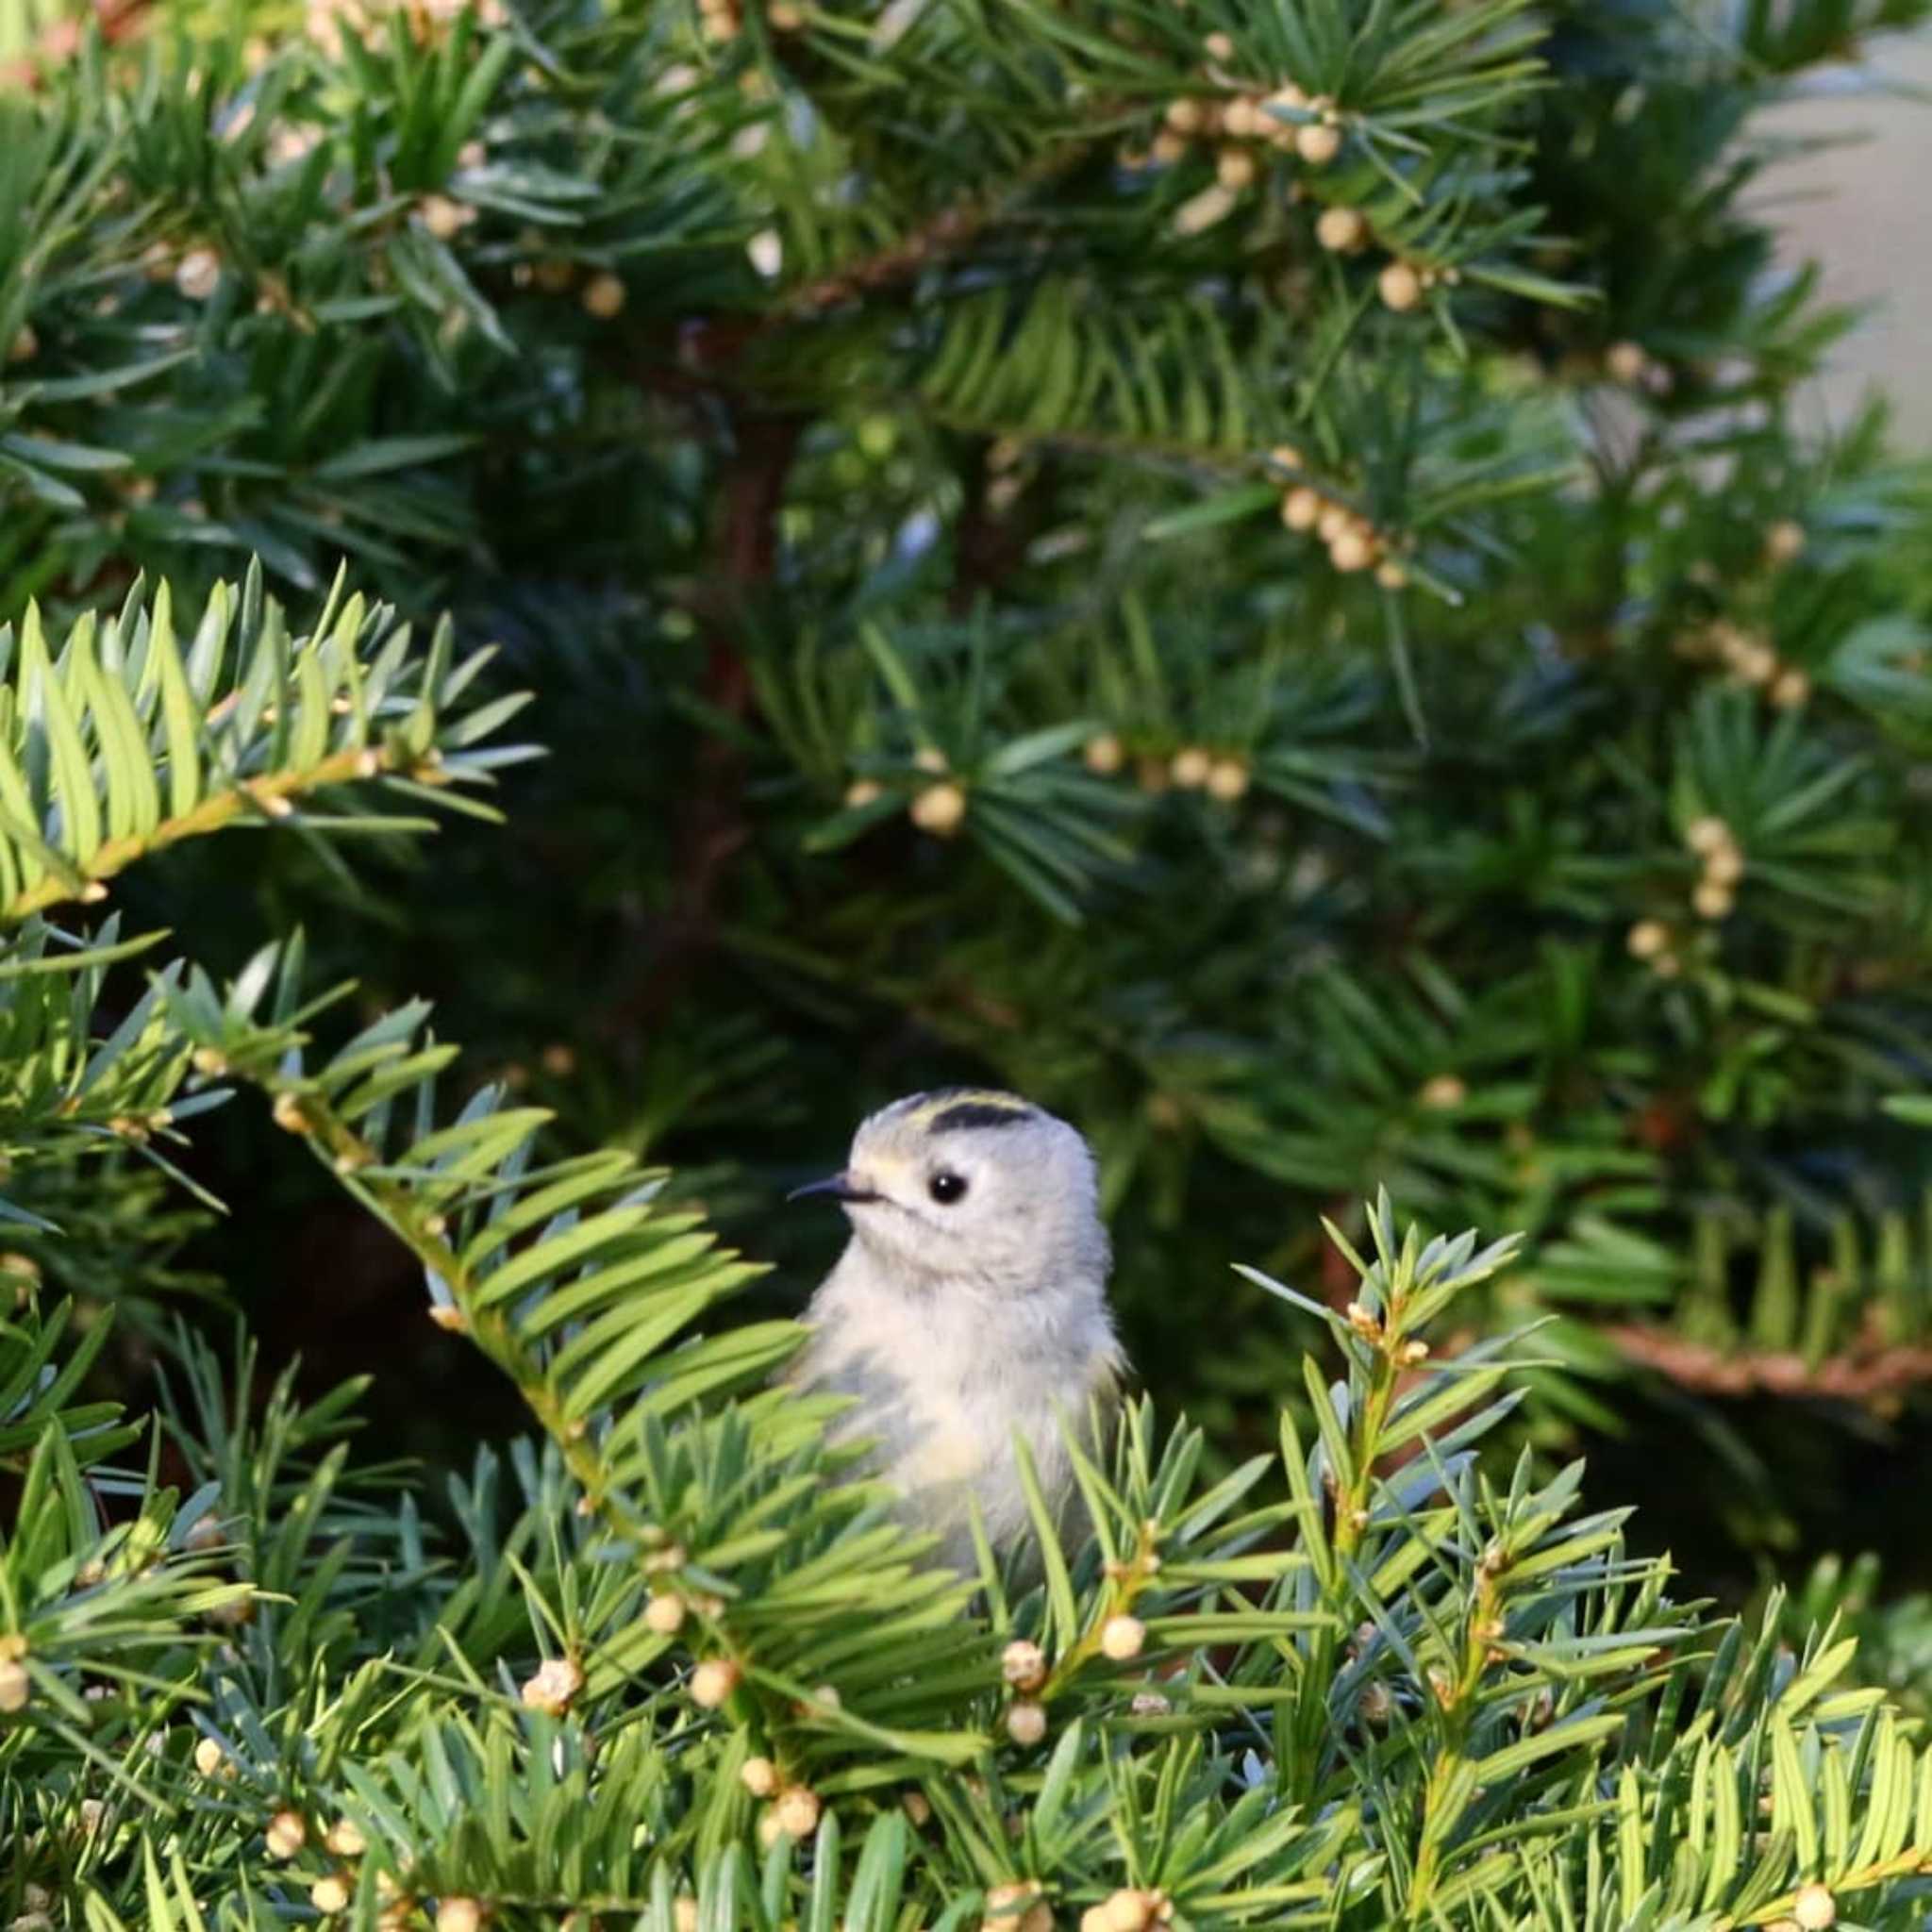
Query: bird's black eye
<point x="946" y="1187"/>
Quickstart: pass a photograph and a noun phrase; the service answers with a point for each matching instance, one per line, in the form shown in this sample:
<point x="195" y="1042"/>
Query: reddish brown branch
<point x="714" y="828"/>
<point x="1866" y="1375"/>
<point x="954" y="227"/>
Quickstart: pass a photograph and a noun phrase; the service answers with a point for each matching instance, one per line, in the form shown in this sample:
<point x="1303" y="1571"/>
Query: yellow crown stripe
<point x="967" y="1097"/>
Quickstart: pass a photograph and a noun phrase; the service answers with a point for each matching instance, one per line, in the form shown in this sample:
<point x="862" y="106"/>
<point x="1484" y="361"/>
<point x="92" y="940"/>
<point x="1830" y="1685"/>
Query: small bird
<point x="968" y="1307"/>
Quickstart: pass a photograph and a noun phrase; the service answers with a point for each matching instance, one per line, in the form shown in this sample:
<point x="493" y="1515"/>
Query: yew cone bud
<point x="550" y="1690"/>
<point x="759" y="1776"/>
<point x="1317" y="143"/>
<point x="1341" y="229"/>
<point x="1104" y="754"/>
<point x="330" y="1894"/>
<point x="713" y="1682"/>
<point x="1228" y="779"/>
<point x="344" y="1839"/>
<point x="938" y="810"/>
<point x="603" y="296"/>
<point x="1025" y="1721"/>
<point x="797" y="1813"/>
<point x="1234" y="168"/>
<point x="1024" y="1665"/>
<point x="286" y="1835"/>
<point x="1301" y="509"/>
<point x="1121" y="1638"/>
<point x="664" y="1614"/>
<point x="1814" y="1907"/>
<point x="1399" y="286"/>
<point x="1351" y="550"/>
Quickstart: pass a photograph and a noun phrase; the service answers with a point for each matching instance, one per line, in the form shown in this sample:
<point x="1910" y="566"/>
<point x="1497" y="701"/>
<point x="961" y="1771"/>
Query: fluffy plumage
<point x="970" y="1305"/>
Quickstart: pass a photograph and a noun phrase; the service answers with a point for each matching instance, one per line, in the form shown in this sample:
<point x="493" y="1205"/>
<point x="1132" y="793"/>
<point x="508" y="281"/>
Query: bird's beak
<point x="840" y="1187"/>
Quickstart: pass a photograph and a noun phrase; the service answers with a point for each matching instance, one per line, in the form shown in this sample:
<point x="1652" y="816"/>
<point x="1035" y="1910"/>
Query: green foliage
<point x="1255" y="573"/>
<point x="871" y="456"/>
<point x="1394" y="1693"/>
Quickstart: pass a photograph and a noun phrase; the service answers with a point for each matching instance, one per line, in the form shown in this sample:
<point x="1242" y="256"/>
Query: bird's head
<point x="972" y="1185"/>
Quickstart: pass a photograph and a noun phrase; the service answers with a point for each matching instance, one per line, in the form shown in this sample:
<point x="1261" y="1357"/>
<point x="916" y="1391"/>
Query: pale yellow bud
<point x="1814" y="1907"/>
<point x="459" y="1915"/>
<point x="664" y="1615"/>
<point x="558" y="1680"/>
<point x="1343" y="229"/>
<point x="209" y="1759"/>
<point x="1713" y="900"/>
<point x="713" y="1681"/>
<point x="938" y="810"/>
<point x="1185" y="116"/>
<point x="1190" y="767"/>
<point x="1242" y="120"/>
<point x="330" y="1894"/>
<point x="1399" y="286"/>
<point x="1301" y="509"/>
<point x="1219" y="46"/>
<point x="929" y="758"/>
<point x="443" y="216"/>
<point x="1317" y="143"/>
<point x="1391" y="576"/>
<point x="1128" y="1910"/>
<point x="759" y="1776"/>
<point x="1228" y="779"/>
<point x="1104" y="755"/>
<point x="1647" y="939"/>
<point x="1725" y="866"/>
<point x="16" y="1687"/>
<point x="797" y="1813"/>
<point x="1784" y="541"/>
<point x="1626" y="361"/>
<point x="1199" y="213"/>
<point x="684" y="1913"/>
<point x="1708" y="834"/>
<point x="1334" y="518"/>
<point x="286" y="1835"/>
<point x="603" y="296"/>
<point x="1235" y="169"/>
<point x="1352" y="550"/>
<point x="1022" y="1664"/>
<point x="1122" y="1638"/>
<point x="1790" y="688"/>
<point x="344" y="1840"/>
<point x="198" y="274"/>
<point x="1025" y="1721"/>
<point x="1444" y="1091"/>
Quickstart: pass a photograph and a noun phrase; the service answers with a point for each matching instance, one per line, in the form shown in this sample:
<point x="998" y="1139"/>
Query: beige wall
<point x="1865" y="211"/>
